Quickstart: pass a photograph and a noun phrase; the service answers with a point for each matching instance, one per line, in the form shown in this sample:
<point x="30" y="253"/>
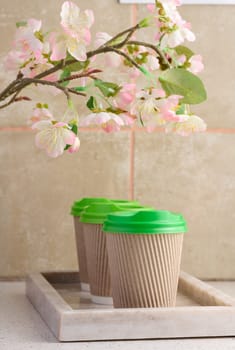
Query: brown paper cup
<point x="81" y="254"/>
<point x="97" y="263"/>
<point x="144" y="269"/>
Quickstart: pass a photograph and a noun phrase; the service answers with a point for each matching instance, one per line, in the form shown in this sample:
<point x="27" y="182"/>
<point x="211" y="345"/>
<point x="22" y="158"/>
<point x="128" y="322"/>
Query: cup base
<point x="85" y="287"/>
<point x="96" y="299"/>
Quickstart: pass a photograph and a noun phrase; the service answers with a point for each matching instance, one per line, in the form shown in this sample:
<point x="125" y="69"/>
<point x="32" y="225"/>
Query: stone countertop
<point x="22" y="328"/>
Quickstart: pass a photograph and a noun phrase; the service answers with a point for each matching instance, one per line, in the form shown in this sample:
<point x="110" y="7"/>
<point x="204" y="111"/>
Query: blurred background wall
<point x="195" y="176"/>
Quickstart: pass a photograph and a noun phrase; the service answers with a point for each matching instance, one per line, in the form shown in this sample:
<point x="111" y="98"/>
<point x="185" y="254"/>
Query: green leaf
<point x="79" y="88"/>
<point x="178" y="81"/>
<point x="92" y="103"/>
<point x="183" y="50"/>
<point x="181" y="110"/>
<point x="21" y="24"/>
<point x="118" y="40"/>
<point x="76" y="67"/>
<point x="107" y="89"/>
<point x="65" y="74"/>
<point x="145" y="22"/>
<point x="75" y="129"/>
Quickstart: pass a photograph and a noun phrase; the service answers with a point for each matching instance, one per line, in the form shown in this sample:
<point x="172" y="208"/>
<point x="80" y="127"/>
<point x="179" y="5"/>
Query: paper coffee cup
<point x="81" y="254"/>
<point x="76" y="210"/>
<point x="95" y="242"/>
<point x="144" y="251"/>
<point x="97" y="263"/>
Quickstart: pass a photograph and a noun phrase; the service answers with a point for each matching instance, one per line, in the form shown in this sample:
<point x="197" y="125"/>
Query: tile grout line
<point x="222" y="131"/>
<point x="132" y="166"/>
<point x="133" y="21"/>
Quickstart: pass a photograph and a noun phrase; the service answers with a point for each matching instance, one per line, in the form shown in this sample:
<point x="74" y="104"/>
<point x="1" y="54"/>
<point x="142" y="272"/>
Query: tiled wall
<point x="195" y="175"/>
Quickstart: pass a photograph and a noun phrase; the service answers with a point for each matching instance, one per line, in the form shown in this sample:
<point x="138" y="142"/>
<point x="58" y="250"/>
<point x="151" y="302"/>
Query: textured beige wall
<point x="195" y="176"/>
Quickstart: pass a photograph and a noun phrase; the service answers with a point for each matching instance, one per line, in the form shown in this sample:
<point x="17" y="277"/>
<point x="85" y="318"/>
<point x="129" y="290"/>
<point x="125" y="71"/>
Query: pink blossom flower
<point x="167" y="108"/>
<point x="54" y="137"/>
<point x="110" y="122"/>
<point x="75" y="22"/>
<point x="76" y="34"/>
<point x="26" y="46"/>
<point x="60" y="43"/>
<point x="155" y="109"/>
<point x="189" y="124"/>
<point x="179" y="29"/>
<point x="177" y="37"/>
<point x="196" y="65"/>
<point x="170" y="8"/>
<point x="26" y="40"/>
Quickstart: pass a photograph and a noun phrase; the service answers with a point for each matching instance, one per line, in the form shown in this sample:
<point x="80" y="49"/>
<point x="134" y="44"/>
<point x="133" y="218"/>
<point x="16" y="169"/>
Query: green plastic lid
<point x="124" y="202"/>
<point x="78" y="206"/>
<point x="145" y="222"/>
<point x="96" y="213"/>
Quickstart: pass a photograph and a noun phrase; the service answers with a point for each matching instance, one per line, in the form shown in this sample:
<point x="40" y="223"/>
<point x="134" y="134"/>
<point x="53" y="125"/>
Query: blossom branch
<point x="65" y="53"/>
<point x="28" y="81"/>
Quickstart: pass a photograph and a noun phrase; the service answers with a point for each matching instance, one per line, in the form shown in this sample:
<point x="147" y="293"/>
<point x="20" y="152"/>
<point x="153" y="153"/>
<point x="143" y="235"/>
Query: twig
<point x="55" y="84"/>
<point x="13" y="99"/>
<point x="128" y="58"/>
<point x="129" y="30"/>
<point x="4" y="93"/>
<point x="81" y="75"/>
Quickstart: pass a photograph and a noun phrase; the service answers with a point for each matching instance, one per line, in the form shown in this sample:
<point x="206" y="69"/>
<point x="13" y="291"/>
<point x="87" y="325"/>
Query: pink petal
<point x="75" y="146"/>
<point x="111" y="127"/>
<point x="59" y="51"/>
<point x="77" y="50"/>
<point x="87" y="36"/>
<point x="102" y="38"/>
<point x="69" y="137"/>
<point x="34" y="24"/>
<point x="43" y="124"/>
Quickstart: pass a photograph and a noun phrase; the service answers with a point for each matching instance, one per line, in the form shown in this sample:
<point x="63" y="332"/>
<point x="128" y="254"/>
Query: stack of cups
<point x="144" y="253"/>
<point x="93" y="218"/>
<point x="76" y="211"/>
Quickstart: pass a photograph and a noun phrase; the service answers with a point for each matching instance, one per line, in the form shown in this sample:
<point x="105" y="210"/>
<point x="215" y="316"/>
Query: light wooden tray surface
<point x="201" y="311"/>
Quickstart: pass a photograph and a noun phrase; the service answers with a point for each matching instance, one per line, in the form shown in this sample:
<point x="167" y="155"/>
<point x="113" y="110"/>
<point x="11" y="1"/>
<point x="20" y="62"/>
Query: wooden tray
<point x="201" y="311"/>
